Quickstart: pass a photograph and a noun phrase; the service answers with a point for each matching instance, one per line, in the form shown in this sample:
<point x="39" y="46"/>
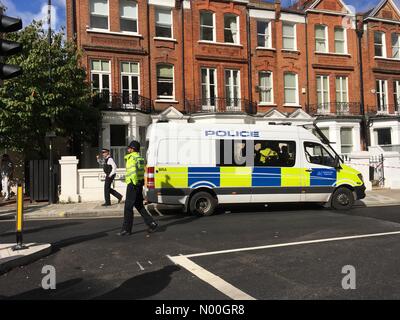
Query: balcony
<point x="122" y="102"/>
<point x="334" y="109"/>
<point x="221" y="105"/>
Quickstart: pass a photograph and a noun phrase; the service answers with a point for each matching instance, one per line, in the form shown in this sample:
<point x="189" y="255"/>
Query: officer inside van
<point x="265" y="155"/>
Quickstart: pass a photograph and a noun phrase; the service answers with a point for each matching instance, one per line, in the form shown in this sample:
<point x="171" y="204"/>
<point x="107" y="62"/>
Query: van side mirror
<point x="336" y="163"/>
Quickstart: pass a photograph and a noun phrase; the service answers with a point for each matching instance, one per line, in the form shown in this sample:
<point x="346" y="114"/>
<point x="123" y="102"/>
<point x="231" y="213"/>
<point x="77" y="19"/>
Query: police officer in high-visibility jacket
<point x="134" y="192"/>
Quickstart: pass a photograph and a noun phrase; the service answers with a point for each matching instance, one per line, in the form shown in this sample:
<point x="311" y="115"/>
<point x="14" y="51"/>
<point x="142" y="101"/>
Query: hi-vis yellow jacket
<point x="267" y="154"/>
<point x="134" y="168"/>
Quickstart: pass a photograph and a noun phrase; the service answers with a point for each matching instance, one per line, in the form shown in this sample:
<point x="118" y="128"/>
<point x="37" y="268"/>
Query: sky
<point x="30" y="10"/>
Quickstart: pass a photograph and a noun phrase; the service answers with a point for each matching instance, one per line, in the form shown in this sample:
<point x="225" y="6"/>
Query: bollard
<point x="19" y="219"/>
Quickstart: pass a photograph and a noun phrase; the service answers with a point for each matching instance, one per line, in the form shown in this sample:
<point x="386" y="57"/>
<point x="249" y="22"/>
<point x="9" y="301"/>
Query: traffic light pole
<point x="51" y="134"/>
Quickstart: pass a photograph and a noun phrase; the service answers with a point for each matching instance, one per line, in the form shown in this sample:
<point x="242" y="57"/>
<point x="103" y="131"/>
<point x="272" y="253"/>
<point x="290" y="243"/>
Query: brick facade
<point x="189" y="55"/>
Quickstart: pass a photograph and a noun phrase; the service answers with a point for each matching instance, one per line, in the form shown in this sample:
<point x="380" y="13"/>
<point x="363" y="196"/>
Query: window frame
<point x="131" y="19"/>
<point x="344" y="41"/>
<point x="166" y="98"/>
<point x="394" y="47"/>
<point x="294" y="38"/>
<point x="262" y="102"/>
<point x="172" y="22"/>
<point x="232" y="85"/>
<point x="324" y="91"/>
<point x="207" y="84"/>
<point x="297" y="103"/>
<point x="268" y="44"/>
<point x="340" y="89"/>
<point x="326" y="39"/>
<point x="99" y="15"/>
<point x="347" y="145"/>
<point x="237" y="29"/>
<point x="130" y="75"/>
<point x="100" y="73"/>
<point x="382" y="95"/>
<point x="383" y="45"/>
<point x="396" y="94"/>
<point x="214" y="33"/>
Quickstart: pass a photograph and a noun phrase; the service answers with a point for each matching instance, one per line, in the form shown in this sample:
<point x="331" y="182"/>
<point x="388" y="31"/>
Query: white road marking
<point x="293" y="244"/>
<point x="140" y="266"/>
<point x="210" y="278"/>
<point x="149" y="262"/>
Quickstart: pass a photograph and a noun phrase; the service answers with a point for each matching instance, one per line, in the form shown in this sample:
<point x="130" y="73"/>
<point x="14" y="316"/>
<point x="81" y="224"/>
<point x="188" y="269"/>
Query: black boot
<point x="152" y="227"/>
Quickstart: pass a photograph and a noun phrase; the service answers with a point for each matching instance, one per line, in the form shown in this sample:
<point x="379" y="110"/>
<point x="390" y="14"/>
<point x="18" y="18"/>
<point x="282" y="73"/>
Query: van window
<point x="231" y="153"/>
<point x="317" y="154"/>
<point x="268" y="153"/>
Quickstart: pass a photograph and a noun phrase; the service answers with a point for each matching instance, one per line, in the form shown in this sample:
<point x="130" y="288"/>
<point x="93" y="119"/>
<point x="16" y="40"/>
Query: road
<point x="284" y="254"/>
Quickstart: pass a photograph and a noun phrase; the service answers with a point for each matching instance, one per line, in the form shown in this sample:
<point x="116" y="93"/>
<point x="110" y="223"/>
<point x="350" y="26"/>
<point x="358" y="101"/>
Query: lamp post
<point x="50" y="135"/>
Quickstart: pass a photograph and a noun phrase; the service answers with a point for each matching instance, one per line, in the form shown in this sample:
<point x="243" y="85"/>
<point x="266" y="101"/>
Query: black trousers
<point x="134" y="198"/>
<point x="108" y="190"/>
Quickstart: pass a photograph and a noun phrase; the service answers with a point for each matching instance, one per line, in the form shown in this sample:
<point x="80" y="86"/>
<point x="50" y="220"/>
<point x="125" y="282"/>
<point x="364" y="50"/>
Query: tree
<point x="31" y="102"/>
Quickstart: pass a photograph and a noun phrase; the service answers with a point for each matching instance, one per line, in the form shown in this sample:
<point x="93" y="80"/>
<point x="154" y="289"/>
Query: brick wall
<point x="149" y="52"/>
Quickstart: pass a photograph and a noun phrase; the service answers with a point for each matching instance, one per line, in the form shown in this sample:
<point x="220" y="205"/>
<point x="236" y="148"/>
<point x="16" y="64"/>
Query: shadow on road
<point x="79" y="239"/>
<point x="33" y="230"/>
<point x="178" y="220"/>
<point x="142" y="286"/>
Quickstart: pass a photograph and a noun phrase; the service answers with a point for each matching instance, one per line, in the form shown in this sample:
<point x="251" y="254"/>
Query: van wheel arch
<point x="197" y="191"/>
<point x="343" y="186"/>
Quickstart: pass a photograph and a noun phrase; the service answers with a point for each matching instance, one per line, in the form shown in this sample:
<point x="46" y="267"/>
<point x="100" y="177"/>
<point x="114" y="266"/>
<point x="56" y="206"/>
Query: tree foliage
<point x="51" y="95"/>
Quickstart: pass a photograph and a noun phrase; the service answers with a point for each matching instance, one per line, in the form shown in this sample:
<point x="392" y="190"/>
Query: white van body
<point x="185" y="158"/>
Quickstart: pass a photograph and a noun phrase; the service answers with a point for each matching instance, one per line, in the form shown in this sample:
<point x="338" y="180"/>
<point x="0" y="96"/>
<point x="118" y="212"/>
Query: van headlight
<point x="360" y="177"/>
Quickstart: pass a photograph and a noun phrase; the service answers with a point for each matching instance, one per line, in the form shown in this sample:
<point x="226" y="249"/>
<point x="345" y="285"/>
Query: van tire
<point x="342" y="199"/>
<point x="202" y="204"/>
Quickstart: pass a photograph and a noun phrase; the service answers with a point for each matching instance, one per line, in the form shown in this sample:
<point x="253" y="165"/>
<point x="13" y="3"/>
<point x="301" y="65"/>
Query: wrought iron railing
<point x="334" y="108"/>
<point x="123" y="101"/>
<point x="221" y="105"/>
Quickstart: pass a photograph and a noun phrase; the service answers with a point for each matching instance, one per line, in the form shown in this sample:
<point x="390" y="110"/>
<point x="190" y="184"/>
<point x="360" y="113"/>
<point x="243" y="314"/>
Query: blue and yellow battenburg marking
<point x="245" y="177"/>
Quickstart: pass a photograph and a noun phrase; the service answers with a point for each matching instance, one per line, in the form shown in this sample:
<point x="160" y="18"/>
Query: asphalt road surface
<point x="285" y="252"/>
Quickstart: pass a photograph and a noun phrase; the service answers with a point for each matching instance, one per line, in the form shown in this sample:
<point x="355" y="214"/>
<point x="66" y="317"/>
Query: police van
<point x="201" y="166"/>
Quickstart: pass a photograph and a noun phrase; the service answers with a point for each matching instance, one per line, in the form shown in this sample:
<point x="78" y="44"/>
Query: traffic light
<point x="8" y="48"/>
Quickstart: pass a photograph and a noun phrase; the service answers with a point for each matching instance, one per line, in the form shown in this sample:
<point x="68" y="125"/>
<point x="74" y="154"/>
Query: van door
<point x="277" y="176"/>
<point x="320" y="178"/>
<point x="235" y="174"/>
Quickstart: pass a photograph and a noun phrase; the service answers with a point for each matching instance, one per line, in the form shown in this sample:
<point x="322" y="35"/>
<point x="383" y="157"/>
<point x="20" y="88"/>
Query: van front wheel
<point x="202" y="204"/>
<point x="342" y="199"/>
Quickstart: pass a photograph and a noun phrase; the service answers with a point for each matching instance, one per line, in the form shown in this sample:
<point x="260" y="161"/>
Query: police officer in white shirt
<point x="110" y="169"/>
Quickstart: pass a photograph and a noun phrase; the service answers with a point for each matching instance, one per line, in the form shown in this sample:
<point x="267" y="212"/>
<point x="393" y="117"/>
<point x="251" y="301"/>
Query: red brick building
<point x="381" y="73"/>
<point x="241" y="61"/>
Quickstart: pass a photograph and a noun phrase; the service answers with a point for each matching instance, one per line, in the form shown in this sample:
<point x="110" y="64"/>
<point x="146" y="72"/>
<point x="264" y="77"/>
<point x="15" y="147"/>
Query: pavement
<point x="375" y="198"/>
<point x="10" y="258"/>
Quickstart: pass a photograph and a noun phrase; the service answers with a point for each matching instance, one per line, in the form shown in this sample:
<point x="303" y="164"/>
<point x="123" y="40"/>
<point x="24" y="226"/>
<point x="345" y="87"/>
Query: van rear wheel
<point x="342" y="199"/>
<point x="202" y="204"/>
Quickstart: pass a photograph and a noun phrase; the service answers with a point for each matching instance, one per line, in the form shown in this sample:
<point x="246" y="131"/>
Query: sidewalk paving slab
<point x="10" y="259"/>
